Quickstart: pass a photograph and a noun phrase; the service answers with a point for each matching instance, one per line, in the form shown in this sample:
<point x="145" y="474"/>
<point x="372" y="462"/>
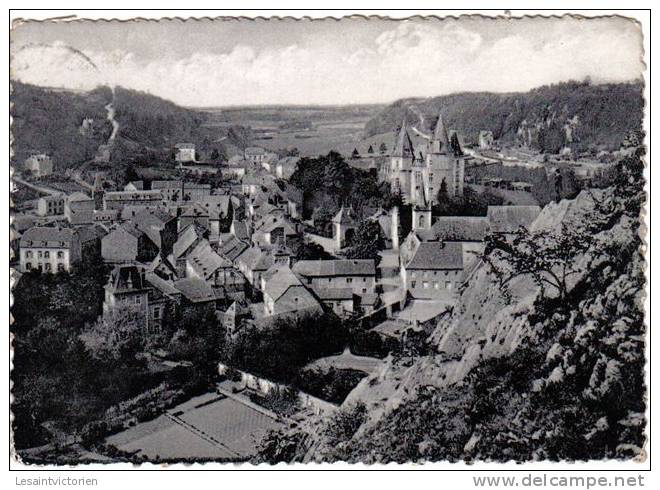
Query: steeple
<point x="440" y="141"/>
<point x="403" y="146"/>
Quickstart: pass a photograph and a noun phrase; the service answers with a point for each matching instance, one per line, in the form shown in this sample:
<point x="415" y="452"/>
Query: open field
<point x="313" y="130"/>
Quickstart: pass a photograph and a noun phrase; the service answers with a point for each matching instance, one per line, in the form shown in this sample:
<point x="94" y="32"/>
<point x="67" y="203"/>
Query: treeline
<point x="328" y="182"/>
<point x="581" y="115"/>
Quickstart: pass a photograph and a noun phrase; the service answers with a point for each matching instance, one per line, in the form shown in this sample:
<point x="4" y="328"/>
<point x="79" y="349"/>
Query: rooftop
<point x="437" y="256"/>
<point x="339" y="267"/>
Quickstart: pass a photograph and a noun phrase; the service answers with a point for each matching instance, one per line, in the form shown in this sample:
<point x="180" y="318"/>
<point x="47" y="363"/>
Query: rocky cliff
<point x="520" y="370"/>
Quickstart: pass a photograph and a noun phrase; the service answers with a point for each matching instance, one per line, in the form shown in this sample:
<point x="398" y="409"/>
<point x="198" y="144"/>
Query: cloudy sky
<point x="245" y="62"/>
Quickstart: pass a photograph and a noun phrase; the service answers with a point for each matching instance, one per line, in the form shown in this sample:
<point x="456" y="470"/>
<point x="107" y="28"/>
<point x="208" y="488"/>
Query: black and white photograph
<point x="351" y="239"/>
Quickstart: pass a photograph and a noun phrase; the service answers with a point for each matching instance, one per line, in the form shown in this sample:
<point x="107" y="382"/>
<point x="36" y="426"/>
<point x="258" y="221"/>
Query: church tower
<point x="421" y="214"/>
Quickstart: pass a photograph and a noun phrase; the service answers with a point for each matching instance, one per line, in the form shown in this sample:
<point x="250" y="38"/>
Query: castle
<point x="419" y="178"/>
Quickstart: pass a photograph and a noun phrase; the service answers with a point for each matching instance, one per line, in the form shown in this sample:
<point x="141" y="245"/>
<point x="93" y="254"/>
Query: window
<point x="413" y="284"/>
<point x="40" y="254"/>
<point x="436" y="285"/>
<point x="426" y="285"/>
<point x="46" y="255"/>
<point x="28" y="254"/>
<point x="138" y="300"/>
<point x="448" y="284"/>
<point x="60" y="255"/>
<point x="47" y="267"/>
<point x="28" y="266"/>
<point x="157" y="313"/>
<point x="349" y="280"/>
<point x="60" y="267"/>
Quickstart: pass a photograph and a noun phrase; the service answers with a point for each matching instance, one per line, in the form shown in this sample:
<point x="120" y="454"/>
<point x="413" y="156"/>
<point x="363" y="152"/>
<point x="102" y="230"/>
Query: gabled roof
<point x="271" y="222"/>
<point x="277" y="280"/>
<point x="232" y="249"/>
<point x="48" y="236"/>
<point x="164" y="286"/>
<point x="437" y="256"/>
<point x="195" y="290"/>
<point x="187" y="238"/>
<point x="205" y="261"/>
<point x="256" y="259"/>
<point x="403" y="145"/>
<point x="296" y="298"/>
<point x="339" y="267"/>
<point x="507" y="219"/>
<point x="461" y="228"/>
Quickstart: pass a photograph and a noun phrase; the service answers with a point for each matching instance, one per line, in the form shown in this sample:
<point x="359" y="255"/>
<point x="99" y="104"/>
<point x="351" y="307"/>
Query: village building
<point x="39" y="164"/>
<point x="127" y="244"/>
<point x="120" y="199"/>
<point x="257" y="155"/>
<point x="433" y="271"/>
<point x="359" y="275"/>
<point x="180" y="191"/>
<point x="184" y="152"/>
<point x="78" y="208"/>
<point x="232" y="249"/>
<point x="52" y="205"/>
<point x="344" y="225"/>
<point x="486" y="140"/>
<point x="163" y="300"/>
<point x="127" y="293"/>
<point x="197" y="296"/>
<point x="285" y="294"/>
<point x="273" y="230"/>
<point x="49" y="249"/>
<point x="468" y="231"/>
<point x="159" y="226"/>
<point x="253" y="263"/>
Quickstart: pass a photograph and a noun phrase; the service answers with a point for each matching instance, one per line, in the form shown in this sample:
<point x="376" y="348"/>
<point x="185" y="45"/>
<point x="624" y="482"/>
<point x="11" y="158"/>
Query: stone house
<point x="359" y="275"/>
<point x="49" y="249"/>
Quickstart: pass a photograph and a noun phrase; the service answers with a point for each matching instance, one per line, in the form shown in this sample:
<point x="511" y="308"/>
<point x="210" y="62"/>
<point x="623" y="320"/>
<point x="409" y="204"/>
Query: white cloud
<point x="421" y="58"/>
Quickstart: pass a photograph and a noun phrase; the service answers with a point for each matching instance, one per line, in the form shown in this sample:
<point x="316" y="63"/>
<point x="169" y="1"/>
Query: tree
<point x="116" y="335"/>
<point x="382" y="148"/>
<point x="308" y="250"/>
<point x="366" y="242"/>
<point x="549" y="258"/>
<point x="370" y="150"/>
<point x="215" y="154"/>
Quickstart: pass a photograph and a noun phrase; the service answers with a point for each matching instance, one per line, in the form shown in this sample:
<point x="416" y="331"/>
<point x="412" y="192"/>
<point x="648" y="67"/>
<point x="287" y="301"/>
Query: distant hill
<point x="575" y="114"/>
<point x="49" y="120"/>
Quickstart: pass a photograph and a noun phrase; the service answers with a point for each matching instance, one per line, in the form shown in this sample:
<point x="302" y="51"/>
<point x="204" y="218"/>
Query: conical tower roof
<point x="440" y="134"/>
<point x="403" y="146"/>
